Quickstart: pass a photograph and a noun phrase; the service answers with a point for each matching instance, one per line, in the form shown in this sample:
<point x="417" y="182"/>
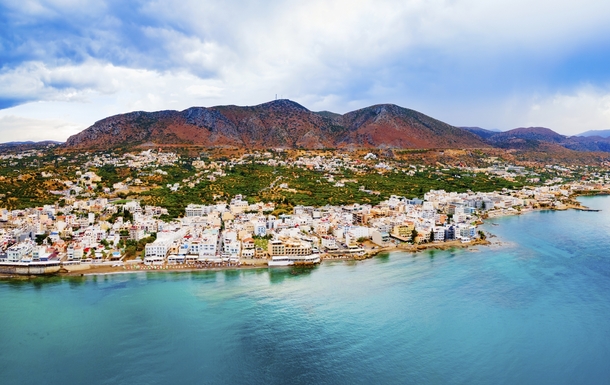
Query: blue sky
<point x="65" y="64"/>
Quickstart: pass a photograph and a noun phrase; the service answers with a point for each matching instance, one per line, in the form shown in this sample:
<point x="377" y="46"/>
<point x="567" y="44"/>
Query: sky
<point x="502" y="64"/>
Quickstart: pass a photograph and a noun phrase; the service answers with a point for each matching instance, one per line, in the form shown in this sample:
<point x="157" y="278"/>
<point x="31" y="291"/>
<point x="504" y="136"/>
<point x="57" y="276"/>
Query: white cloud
<point x="586" y="108"/>
<point x="288" y="31"/>
<point x="451" y="59"/>
<point x="569" y="112"/>
<point x="109" y="90"/>
<point x="92" y="79"/>
<point x="19" y="129"/>
<point x="113" y="90"/>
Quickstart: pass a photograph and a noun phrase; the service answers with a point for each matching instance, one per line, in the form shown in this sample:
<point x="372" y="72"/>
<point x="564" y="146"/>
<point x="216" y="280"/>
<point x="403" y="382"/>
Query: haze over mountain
<point x="541" y="139"/>
<point x="601" y="133"/>
<point x="28" y="144"/>
<point x="280" y="123"/>
<point x="481" y="132"/>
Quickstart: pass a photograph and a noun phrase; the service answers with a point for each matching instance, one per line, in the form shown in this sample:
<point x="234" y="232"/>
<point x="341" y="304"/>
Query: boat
<point x="290" y="260"/>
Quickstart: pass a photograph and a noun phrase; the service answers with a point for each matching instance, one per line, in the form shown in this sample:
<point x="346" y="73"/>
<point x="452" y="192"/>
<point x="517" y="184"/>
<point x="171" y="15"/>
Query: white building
<point x="260" y="229"/>
<point x="329" y="242"/>
<point x="380" y="238"/>
<point x="161" y="246"/>
<point x="194" y="210"/>
<point x="208" y="246"/>
<point x="17" y="252"/>
<point x="439" y="234"/>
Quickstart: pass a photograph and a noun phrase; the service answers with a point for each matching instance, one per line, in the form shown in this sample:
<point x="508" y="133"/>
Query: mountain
<point x="528" y="133"/>
<point x="30" y="143"/>
<point x="587" y="143"/>
<point x="27" y="145"/>
<point x="543" y="139"/>
<point x="280" y="123"/>
<point x="388" y="125"/>
<point x="601" y="133"/>
<point x="481" y="132"/>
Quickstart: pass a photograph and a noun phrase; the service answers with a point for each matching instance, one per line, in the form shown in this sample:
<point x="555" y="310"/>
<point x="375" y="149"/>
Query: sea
<point x="532" y="308"/>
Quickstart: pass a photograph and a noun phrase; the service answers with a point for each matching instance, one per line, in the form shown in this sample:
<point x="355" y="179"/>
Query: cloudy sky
<point x="65" y="64"/>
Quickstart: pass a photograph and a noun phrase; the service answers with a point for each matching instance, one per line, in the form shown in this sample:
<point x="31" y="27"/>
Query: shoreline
<point x="405" y="247"/>
<point x="109" y="270"/>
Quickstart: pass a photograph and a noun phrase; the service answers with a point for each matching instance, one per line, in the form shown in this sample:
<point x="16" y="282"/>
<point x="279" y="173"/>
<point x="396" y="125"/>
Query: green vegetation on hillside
<point x="336" y="177"/>
<point x="312" y="188"/>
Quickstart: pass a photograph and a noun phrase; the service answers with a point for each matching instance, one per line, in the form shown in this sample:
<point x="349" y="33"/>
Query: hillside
<point x="528" y="133"/>
<point x="280" y="123"/>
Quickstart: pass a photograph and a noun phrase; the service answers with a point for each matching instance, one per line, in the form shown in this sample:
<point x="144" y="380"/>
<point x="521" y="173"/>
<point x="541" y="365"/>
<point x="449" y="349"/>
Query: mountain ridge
<point x="600" y="133"/>
<point x="542" y="139"/>
<point x="286" y="124"/>
<point x="279" y="123"/>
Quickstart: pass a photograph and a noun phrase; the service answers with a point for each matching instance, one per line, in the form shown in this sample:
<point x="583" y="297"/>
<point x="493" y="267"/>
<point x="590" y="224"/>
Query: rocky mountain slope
<point x="280" y="123"/>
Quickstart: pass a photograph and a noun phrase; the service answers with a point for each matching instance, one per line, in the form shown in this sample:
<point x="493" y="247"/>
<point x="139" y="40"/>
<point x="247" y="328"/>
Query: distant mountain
<point x="528" y="133"/>
<point x="328" y="114"/>
<point x="541" y="139"/>
<point x="600" y="133"/>
<point x="481" y="132"/>
<point x="280" y="123"/>
<point x="27" y="145"/>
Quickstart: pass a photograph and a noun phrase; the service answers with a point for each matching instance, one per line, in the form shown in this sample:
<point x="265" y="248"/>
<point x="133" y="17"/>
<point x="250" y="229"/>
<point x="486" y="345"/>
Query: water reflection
<point x="279" y="274"/>
<point x="383" y="258"/>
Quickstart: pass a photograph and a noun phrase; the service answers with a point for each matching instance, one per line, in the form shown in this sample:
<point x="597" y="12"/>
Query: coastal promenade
<point x="93" y="269"/>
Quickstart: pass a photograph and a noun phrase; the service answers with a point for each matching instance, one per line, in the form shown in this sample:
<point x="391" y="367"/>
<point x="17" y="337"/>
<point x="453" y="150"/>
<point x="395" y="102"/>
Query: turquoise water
<point x="532" y="311"/>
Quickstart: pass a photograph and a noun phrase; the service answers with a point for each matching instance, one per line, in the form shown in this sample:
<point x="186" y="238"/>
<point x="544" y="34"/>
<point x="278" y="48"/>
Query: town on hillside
<point x="103" y="214"/>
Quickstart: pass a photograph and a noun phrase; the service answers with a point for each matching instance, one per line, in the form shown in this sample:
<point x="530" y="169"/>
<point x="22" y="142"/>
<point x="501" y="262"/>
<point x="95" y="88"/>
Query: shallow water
<point x="533" y="311"/>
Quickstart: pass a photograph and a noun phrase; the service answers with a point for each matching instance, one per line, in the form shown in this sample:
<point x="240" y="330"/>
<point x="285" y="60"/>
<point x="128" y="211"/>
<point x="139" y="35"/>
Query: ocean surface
<point x="533" y="310"/>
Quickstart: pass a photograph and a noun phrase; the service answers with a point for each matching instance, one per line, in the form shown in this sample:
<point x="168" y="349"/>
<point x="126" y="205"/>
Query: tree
<point x="127" y="216"/>
<point x="130" y="251"/>
<point x="40" y="238"/>
<point x="482" y="235"/>
<point x="432" y="235"/>
<point x="414" y="235"/>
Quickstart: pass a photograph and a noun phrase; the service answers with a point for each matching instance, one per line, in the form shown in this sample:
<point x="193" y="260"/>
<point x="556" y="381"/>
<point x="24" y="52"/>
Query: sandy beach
<point x="259" y="264"/>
